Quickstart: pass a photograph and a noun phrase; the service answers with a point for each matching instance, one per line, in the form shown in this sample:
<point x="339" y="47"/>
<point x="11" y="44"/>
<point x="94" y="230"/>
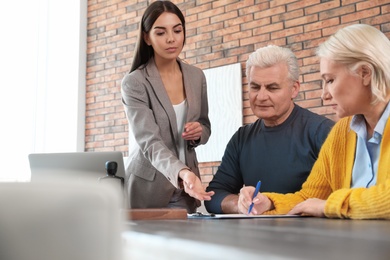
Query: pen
<point x="254" y="195"/>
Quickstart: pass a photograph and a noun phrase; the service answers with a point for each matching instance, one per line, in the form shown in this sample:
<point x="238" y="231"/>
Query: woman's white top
<point x="181" y="114"/>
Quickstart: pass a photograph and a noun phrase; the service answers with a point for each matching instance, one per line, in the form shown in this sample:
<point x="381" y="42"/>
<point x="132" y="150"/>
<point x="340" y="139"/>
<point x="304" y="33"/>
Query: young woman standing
<point x="165" y="101"/>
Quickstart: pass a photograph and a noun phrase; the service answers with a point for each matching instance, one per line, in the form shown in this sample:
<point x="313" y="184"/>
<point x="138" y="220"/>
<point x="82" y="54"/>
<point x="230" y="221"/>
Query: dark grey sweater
<point x="281" y="156"/>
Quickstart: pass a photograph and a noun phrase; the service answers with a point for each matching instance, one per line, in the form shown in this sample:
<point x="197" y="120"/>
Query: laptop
<point x="73" y="165"/>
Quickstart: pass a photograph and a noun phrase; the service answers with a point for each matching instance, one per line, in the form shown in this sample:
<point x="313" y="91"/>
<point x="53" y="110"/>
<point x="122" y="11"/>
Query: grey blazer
<point x="152" y="167"/>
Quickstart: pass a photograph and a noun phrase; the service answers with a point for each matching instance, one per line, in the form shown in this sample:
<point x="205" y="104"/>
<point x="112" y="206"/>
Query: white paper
<point x="231" y="216"/>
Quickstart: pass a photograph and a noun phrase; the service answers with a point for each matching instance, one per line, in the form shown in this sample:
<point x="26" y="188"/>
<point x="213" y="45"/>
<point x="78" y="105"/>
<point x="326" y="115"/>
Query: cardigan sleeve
<point x="360" y="203"/>
<point x="365" y="203"/>
<point x="316" y="186"/>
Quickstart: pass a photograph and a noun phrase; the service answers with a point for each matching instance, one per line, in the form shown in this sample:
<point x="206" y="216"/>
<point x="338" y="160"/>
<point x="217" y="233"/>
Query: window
<point x="43" y="53"/>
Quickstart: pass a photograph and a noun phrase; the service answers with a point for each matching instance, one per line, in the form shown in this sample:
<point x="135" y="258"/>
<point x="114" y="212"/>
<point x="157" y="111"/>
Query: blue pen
<point x="254" y="195"/>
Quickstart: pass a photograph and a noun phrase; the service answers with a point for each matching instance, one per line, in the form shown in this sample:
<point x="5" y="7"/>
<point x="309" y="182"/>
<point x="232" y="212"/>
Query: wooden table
<point x="266" y="238"/>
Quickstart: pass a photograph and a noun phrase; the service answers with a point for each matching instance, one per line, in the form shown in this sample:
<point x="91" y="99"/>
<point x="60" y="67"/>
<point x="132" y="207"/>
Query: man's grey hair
<point x="271" y="55"/>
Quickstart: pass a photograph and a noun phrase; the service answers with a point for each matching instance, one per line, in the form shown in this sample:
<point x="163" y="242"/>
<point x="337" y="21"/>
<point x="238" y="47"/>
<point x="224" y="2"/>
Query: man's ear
<point x="366" y="74"/>
<point x="295" y="89"/>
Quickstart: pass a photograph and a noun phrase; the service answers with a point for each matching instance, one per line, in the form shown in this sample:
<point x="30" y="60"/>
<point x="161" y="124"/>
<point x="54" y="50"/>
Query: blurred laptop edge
<point x="73" y="165"/>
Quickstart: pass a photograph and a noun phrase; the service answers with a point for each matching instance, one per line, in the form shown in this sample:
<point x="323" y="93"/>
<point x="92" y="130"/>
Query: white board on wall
<point x="224" y="92"/>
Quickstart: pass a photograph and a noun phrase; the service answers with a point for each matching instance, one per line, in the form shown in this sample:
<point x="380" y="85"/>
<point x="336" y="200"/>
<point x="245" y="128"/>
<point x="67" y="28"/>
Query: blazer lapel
<point x="153" y="76"/>
<point x="188" y="91"/>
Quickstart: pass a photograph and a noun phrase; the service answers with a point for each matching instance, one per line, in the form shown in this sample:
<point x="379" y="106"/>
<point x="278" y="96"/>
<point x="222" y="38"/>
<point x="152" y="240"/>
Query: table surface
<point x="268" y="238"/>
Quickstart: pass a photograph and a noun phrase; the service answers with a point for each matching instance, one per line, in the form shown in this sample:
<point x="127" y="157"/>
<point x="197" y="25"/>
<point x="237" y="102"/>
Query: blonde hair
<point x="361" y="45"/>
<point x="271" y="55"/>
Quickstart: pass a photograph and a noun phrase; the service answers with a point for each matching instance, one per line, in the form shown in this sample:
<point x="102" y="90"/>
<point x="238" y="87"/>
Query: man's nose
<point x="262" y="94"/>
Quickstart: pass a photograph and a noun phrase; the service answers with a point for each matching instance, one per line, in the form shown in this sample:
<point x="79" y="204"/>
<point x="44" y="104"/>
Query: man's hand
<point x="193" y="185"/>
<point x="261" y="202"/>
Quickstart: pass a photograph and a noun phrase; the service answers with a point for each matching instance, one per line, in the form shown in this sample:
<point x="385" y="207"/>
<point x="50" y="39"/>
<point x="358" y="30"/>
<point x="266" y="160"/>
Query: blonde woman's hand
<point x="310" y="207"/>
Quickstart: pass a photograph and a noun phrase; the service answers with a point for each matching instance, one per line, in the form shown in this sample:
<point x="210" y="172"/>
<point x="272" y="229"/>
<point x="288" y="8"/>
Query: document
<point x="231" y="216"/>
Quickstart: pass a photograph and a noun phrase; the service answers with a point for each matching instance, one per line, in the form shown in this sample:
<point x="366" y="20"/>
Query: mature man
<point x="281" y="147"/>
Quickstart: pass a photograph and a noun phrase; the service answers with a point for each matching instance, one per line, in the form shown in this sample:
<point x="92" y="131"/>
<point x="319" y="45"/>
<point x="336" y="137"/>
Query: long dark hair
<point x="144" y="52"/>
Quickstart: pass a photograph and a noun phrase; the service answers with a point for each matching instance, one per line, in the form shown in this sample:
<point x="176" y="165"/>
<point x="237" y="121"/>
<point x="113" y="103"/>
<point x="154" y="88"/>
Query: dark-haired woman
<point x="165" y="101"/>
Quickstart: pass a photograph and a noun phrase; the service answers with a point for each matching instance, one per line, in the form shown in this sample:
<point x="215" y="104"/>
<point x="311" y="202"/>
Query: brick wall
<point x="218" y="33"/>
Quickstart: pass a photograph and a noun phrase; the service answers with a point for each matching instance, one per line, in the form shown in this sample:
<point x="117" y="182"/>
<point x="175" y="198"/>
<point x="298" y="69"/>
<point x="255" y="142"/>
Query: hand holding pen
<point x="254" y="196"/>
<point x="250" y="201"/>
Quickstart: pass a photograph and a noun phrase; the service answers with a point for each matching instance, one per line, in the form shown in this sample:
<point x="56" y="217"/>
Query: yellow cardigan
<point x="330" y="180"/>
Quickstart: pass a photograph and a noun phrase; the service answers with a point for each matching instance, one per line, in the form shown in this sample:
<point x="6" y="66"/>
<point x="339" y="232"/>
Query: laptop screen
<point x="73" y="165"/>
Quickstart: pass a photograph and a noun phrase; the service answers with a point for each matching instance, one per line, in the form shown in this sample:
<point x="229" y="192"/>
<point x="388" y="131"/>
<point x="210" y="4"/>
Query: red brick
<point x="297" y="5"/>
<point x="337" y="12"/>
<point x="302" y="20"/>
<point x="198" y="9"/>
<point x="270" y="12"/>
<point x="254" y="9"/>
<point x="202" y="25"/>
<point x="197" y="38"/>
<point x="258" y="23"/>
<point x="309" y="69"/>
<point x="318" y="8"/>
<point x="360" y="15"/>
<point x="311" y="77"/>
<point x="287" y="16"/>
<point x="208" y="164"/>
<point x="237" y="36"/>
<point x="303" y="37"/>
<point x="242" y="20"/>
<point x="211" y="13"/>
<point x="209" y="57"/>
<point x="205" y="170"/>
<point x="255" y="39"/>
<point x="236" y="5"/>
<point x="225" y="31"/>
<point x="268" y="28"/>
<point x="375" y="20"/>
<point x="385" y="9"/>
<point x="226" y="45"/>
<point x="223" y="17"/>
<point x="308" y="103"/>
<point x="223" y="61"/>
<point x="313" y="94"/>
<point x="323" y="110"/>
<point x="287" y="32"/>
<point x="369" y="4"/>
<point x="322" y="24"/>
<point x="218" y="33"/>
